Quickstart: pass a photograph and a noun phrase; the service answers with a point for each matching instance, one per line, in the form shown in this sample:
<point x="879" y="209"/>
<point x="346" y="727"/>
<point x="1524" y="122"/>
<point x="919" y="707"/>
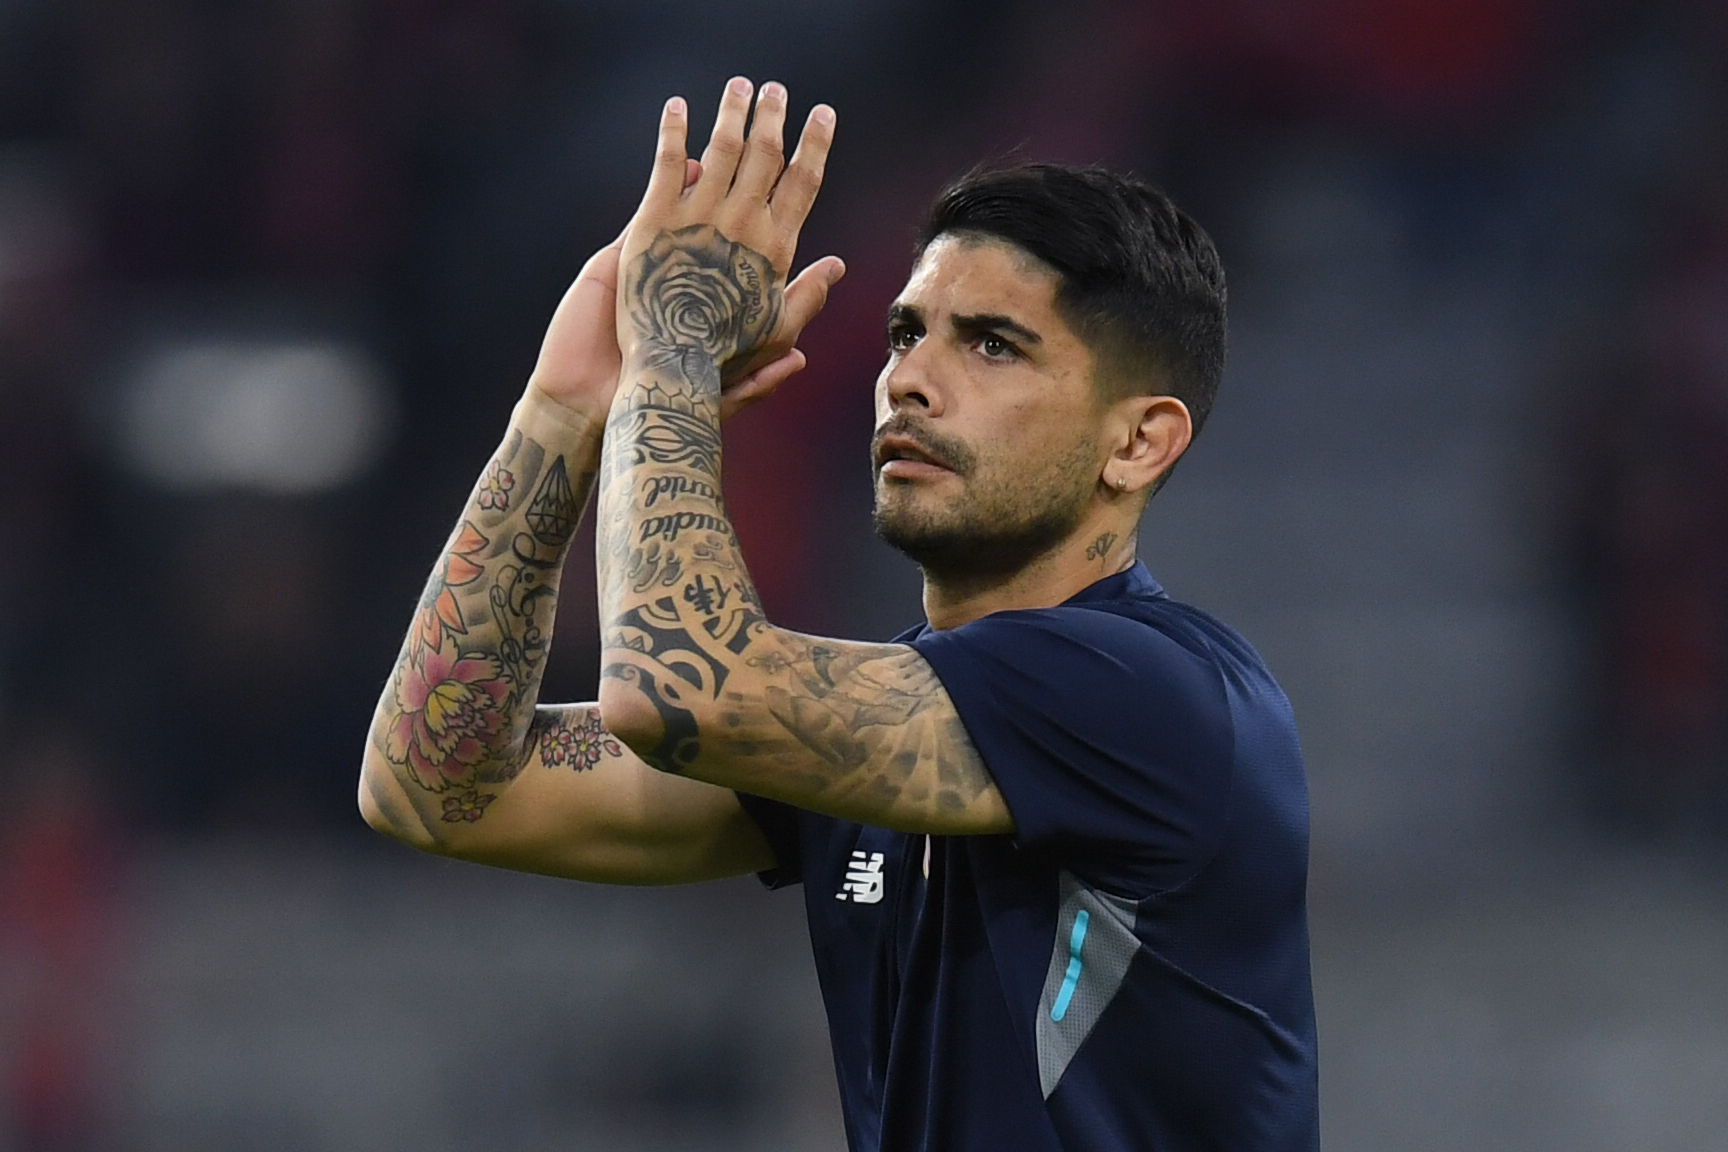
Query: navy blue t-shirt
<point x="1128" y="970"/>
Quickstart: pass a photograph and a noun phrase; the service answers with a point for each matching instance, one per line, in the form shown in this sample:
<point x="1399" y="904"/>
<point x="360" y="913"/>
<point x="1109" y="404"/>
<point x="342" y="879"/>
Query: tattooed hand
<point x="705" y="292"/>
<point x="580" y="361"/>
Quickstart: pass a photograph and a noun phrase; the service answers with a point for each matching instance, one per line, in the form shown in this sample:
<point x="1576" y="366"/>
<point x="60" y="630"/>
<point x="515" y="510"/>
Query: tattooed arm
<point x="694" y="679"/>
<point x="460" y="759"/>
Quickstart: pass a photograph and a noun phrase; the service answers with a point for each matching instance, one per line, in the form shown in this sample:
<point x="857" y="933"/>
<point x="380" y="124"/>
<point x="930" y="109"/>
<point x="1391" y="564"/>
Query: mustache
<point x="947" y="451"/>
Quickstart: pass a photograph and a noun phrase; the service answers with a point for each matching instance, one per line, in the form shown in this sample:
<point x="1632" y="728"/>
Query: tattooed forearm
<point x="454" y="724"/>
<point x="667" y="436"/>
<point x="694" y="298"/>
<point x="707" y="686"/>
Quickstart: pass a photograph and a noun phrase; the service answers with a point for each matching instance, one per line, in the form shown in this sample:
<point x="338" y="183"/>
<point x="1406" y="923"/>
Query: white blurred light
<point x="289" y="417"/>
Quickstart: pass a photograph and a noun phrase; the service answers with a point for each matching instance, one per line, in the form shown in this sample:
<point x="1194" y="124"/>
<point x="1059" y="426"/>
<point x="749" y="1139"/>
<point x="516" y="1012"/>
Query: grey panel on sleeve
<point x="1094" y="945"/>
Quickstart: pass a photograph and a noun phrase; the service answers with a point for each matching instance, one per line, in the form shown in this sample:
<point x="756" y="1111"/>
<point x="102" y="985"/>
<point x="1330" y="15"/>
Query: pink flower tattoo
<point x="495" y="487"/>
<point x="577" y="744"/>
<point x="449" y="716"/>
<point x="469" y="806"/>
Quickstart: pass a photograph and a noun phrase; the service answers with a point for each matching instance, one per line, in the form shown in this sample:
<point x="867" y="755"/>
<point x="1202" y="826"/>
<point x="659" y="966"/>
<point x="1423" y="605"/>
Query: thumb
<point x="760" y="384"/>
<point x="602" y="267"/>
<point x="808" y="292"/>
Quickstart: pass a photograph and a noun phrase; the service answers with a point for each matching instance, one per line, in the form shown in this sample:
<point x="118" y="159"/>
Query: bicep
<point x="583" y="806"/>
<point x="864" y="732"/>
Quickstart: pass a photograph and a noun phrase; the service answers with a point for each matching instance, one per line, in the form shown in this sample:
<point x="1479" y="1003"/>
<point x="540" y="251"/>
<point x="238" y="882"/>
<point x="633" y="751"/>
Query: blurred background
<point x="272" y="274"/>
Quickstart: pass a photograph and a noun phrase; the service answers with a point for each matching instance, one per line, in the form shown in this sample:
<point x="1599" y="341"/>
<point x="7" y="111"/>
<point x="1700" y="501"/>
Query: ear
<point x="1148" y="434"/>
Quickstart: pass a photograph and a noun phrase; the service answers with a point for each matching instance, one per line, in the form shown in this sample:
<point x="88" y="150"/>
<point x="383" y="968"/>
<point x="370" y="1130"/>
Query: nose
<point x="908" y="381"/>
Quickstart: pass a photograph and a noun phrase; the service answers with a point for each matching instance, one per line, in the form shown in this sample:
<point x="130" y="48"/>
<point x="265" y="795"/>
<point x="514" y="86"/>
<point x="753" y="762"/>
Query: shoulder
<point x="1122" y="649"/>
<point x="1110" y="734"/>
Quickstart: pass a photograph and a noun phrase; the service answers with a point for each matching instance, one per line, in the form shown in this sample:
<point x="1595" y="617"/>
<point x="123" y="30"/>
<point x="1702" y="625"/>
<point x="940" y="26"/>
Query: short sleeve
<point x="1109" y="738"/>
<point x="779" y="825"/>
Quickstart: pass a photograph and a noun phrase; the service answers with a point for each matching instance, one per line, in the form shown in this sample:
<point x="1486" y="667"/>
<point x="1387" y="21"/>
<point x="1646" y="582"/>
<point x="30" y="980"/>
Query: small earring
<point x="1121" y="482"/>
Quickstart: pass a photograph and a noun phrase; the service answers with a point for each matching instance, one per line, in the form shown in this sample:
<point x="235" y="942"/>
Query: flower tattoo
<point x="495" y="487"/>
<point x="578" y="744"/>
<point x="449" y="714"/>
<point x="698" y="293"/>
<point x="469" y="806"/>
<point x="440" y="616"/>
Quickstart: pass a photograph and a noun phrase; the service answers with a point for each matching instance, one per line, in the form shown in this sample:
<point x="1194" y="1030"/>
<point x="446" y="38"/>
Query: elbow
<point x="370" y="810"/>
<point x="652" y="718"/>
<point x="381" y="806"/>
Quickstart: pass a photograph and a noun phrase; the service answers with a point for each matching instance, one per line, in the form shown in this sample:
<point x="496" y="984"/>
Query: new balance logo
<point x="863" y="879"/>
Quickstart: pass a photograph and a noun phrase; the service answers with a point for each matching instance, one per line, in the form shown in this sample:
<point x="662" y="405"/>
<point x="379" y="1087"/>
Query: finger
<point x="725" y="144"/>
<point x="602" y="267"/>
<point x="692" y="172"/>
<point x="770" y="376"/>
<point x="798" y="187"/>
<point x="765" y="153"/>
<point x="806" y="295"/>
<point x="760" y="384"/>
<point x="666" y="181"/>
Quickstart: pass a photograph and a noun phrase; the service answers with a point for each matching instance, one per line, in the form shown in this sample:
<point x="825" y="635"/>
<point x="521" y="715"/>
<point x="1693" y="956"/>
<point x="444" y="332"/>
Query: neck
<point x="955" y="598"/>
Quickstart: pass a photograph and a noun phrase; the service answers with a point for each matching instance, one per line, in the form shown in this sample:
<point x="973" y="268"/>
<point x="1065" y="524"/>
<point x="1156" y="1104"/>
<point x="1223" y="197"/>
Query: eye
<point x="901" y="336"/>
<point x="995" y="347"/>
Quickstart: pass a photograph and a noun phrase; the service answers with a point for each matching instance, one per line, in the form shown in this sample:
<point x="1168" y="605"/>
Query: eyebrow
<point x="993" y="322"/>
<point x="904" y="314"/>
<point x="971" y="325"/>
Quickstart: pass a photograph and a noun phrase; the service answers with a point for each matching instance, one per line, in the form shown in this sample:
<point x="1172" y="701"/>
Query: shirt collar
<point x="1131" y="583"/>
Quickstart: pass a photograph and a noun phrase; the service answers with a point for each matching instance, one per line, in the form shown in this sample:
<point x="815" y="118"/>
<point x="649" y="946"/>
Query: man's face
<point x="987" y="450"/>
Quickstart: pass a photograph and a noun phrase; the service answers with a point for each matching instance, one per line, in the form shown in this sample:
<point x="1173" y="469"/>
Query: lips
<point x="901" y="447"/>
<point x="905" y="448"/>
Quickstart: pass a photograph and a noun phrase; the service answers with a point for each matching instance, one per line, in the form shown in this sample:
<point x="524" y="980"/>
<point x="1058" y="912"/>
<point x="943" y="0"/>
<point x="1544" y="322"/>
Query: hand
<point x="706" y="260"/>
<point x="579" y="359"/>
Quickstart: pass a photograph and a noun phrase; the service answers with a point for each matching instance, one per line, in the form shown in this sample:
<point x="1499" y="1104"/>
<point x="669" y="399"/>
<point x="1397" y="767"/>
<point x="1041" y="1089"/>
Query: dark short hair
<point x="1140" y="281"/>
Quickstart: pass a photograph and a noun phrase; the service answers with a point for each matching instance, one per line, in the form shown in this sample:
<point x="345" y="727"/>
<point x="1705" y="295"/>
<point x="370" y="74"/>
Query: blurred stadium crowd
<point x="272" y="273"/>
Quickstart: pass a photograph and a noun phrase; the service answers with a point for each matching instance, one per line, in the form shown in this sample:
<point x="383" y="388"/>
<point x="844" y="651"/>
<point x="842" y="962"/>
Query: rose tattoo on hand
<point x="699" y="299"/>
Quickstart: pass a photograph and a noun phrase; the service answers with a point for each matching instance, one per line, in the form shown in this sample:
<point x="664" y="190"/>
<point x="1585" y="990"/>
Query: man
<point x="1053" y="844"/>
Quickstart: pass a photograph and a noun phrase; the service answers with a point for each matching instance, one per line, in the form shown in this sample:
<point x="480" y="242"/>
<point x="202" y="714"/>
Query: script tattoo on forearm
<point x="680" y="616"/>
<point x="655" y="487"/>
<point x="456" y="721"/>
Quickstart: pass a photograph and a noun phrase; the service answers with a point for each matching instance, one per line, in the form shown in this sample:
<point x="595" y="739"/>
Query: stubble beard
<point x="991" y="531"/>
